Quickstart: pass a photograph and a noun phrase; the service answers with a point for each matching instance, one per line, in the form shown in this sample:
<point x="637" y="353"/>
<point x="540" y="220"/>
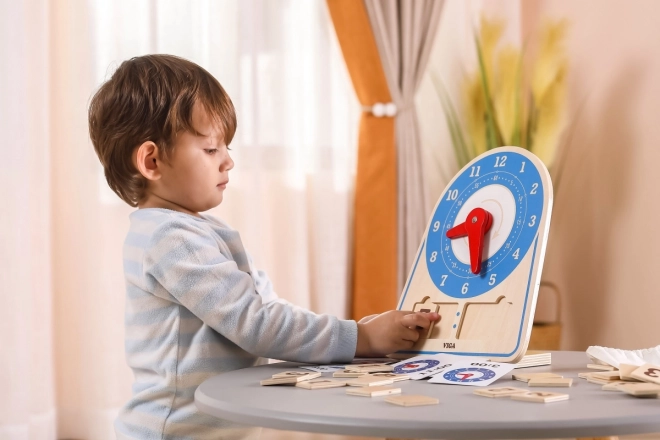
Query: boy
<point x="196" y="305"/>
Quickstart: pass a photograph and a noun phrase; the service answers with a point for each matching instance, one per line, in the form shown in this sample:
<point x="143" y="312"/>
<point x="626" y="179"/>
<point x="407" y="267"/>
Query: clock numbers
<point x="500" y="161"/>
<point x="505" y="175"/>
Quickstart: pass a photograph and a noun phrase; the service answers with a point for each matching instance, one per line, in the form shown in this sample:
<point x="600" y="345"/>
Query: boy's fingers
<point x="416" y="320"/>
<point x="410" y="335"/>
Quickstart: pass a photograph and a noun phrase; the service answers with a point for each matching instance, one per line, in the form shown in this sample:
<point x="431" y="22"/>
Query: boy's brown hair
<point x="150" y="98"/>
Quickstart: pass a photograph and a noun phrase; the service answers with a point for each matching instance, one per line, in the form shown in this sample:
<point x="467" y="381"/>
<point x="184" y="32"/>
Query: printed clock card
<point x="478" y="374"/>
<point x="421" y="367"/>
<point x="480" y="260"/>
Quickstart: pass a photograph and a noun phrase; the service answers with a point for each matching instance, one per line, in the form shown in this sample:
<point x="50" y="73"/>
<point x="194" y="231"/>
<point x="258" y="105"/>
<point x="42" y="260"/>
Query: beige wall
<point x="604" y="239"/>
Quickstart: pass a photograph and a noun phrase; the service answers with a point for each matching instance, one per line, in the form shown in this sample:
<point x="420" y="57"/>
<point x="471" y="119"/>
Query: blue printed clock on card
<point x="479" y="264"/>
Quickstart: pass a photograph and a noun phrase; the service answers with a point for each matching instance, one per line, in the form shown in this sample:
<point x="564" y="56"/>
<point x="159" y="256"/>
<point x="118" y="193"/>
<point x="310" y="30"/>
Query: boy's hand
<point x="391" y="331"/>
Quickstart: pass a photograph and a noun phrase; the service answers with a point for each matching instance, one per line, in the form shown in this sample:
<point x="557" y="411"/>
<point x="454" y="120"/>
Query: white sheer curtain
<point x="61" y="229"/>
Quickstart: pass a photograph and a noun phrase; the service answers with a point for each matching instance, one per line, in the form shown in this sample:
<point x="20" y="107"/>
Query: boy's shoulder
<point x="158" y="223"/>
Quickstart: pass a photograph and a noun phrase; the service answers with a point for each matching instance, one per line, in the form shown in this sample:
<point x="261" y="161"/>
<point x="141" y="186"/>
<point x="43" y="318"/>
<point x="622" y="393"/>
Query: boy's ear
<point x="146" y="160"/>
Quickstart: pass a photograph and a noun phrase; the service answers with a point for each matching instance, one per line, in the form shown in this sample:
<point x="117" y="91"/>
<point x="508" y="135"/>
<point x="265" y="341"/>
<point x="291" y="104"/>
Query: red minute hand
<point x="478" y="222"/>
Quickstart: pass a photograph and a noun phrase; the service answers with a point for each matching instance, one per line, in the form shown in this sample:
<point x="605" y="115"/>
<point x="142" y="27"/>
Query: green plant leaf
<point x="461" y="150"/>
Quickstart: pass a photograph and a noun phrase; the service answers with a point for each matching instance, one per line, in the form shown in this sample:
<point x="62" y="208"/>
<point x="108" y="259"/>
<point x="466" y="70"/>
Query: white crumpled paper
<point x="614" y="356"/>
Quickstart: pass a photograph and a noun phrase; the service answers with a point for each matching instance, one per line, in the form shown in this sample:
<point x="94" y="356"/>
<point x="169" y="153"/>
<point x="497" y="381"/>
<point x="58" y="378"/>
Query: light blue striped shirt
<point x="196" y="307"/>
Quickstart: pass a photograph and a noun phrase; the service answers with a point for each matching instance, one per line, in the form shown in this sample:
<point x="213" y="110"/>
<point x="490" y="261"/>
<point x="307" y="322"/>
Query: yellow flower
<point x="506" y="86"/>
<point x="474" y="112"/>
<point x="549" y="91"/>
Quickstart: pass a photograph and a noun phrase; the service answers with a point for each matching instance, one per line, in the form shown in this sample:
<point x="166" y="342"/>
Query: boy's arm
<point x="183" y="261"/>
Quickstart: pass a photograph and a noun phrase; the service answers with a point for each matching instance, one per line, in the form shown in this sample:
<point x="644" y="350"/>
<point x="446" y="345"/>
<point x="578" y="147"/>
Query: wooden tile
<point x="373" y="391"/>
<point x="395" y="377"/>
<point x="625" y="371"/>
<point x="613" y="386"/>
<point x="525" y="377"/>
<point x="369" y="381"/>
<point x="346" y="373"/>
<point x="585" y="375"/>
<point x="303" y="374"/>
<point x="599" y="381"/>
<point x="499" y="392"/>
<point x="641" y="389"/>
<point x="647" y="373"/>
<point x="290" y="379"/>
<point x="370" y="368"/>
<point x="412" y="400"/>
<point x="540" y="397"/>
<point x="319" y="384"/>
<point x="607" y="375"/>
<point x="550" y="382"/>
<point x="601" y="367"/>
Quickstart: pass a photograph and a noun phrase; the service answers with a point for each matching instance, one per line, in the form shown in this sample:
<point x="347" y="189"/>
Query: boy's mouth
<point x="223" y="184"/>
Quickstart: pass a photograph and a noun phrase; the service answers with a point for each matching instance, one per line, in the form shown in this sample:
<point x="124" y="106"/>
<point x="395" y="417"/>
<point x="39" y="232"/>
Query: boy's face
<point x="198" y="170"/>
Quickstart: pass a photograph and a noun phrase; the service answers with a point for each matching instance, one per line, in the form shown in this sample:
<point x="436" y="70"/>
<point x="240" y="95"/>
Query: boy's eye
<point x="211" y="150"/>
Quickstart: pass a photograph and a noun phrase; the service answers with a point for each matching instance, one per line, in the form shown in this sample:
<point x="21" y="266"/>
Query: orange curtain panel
<point x="375" y="229"/>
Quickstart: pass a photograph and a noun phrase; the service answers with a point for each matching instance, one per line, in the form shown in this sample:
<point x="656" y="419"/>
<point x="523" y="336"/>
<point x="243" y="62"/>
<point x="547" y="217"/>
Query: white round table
<point x="590" y="412"/>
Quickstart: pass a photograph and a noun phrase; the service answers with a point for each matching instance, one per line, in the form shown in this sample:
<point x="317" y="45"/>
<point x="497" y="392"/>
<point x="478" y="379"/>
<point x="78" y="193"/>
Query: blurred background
<point x="292" y="192"/>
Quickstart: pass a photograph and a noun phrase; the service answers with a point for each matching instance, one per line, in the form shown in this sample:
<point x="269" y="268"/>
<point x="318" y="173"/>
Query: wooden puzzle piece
<point x="442" y="328"/>
<point x="290" y="379"/>
<point x="647" y="373"/>
<point x="395" y="377"/>
<point x="585" y="375"/>
<point x="306" y="374"/>
<point x="319" y="384"/>
<point x="526" y="377"/>
<point x="607" y="375"/>
<point x="423" y="306"/>
<point x="550" y="382"/>
<point x="625" y="371"/>
<point x="599" y="381"/>
<point x="500" y="392"/>
<point x="347" y="373"/>
<point x="412" y="400"/>
<point x="601" y="367"/>
<point x="370" y="368"/>
<point x="613" y="386"/>
<point x="640" y="389"/>
<point x="540" y="397"/>
<point x="373" y="391"/>
<point x="369" y="381"/>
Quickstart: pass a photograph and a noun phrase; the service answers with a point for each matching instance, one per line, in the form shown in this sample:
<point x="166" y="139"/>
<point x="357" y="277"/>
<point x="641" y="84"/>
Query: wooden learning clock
<point x="479" y="264"/>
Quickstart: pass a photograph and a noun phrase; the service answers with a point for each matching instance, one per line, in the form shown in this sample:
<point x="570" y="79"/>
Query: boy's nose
<point x="227" y="164"/>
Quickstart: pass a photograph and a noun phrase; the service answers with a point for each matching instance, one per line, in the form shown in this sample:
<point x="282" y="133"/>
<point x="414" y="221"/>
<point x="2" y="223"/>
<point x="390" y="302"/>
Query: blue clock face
<point x="469" y="375"/>
<point x="507" y="185"/>
<point x="413" y="367"/>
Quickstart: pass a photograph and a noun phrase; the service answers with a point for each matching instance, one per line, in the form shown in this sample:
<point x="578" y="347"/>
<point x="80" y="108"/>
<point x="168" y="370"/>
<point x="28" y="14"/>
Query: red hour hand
<point x="475" y="227"/>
